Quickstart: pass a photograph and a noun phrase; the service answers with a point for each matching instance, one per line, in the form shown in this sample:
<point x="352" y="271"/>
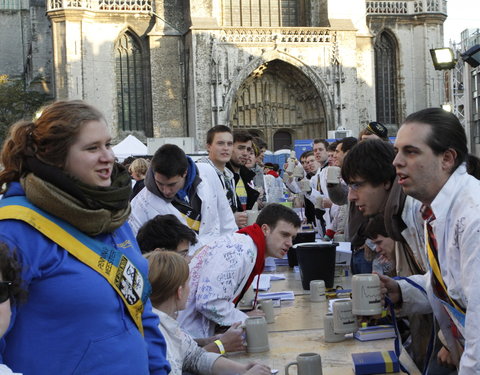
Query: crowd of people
<point x="139" y="269"/>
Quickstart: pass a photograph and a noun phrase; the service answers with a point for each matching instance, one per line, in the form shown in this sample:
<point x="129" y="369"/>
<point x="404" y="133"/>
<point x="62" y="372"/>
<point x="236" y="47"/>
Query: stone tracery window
<point x="386" y="79"/>
<point x="130" y="84"/>
<point x="261" y="13"/>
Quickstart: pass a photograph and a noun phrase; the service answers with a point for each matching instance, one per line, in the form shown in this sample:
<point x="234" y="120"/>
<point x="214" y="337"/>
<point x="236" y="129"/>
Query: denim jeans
<point x="359" y="264"/>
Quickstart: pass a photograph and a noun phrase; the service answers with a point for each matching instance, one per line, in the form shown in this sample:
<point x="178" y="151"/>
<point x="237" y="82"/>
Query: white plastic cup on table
<point x="256" y="334"/>
<point x="366" y="296"/>
<point x="317" y="291"/>
<point x="343" y="319"/>
<point x="266" y="305"/>
<point x="307" y="364"/>
<point x="330" y="335"/>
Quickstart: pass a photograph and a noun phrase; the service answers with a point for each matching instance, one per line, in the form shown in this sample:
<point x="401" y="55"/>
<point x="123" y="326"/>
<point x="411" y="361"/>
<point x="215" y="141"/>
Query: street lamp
<point x="447" y="107"/>
<point x="443" y="58"/>
<point x="472" y="56"/>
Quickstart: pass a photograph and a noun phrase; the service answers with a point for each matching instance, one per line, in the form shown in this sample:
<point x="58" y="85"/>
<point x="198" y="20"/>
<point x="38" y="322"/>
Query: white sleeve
<point x="470" y="266"/>
<point x="292" y="185"/>
<point x="415" y="301"/>
<point x="196" y="359"/>
<point x="138" y="215"/>
<point x="313" y="195"/>
<point x="222" y="210"/>
<point x="225" y="213"/>
<point x="220" y="283"/>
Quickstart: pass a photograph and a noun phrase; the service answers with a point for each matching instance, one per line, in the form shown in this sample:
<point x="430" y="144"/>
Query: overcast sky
<point x="462" y="14"/>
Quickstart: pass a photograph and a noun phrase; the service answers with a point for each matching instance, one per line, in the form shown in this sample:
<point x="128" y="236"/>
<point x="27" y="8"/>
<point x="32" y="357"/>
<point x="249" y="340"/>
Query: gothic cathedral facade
<point x="282" y="69"/>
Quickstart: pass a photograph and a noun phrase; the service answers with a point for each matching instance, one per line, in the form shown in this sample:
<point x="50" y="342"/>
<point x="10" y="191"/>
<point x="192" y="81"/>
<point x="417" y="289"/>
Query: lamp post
<point x="444" y="59"/>
<point x="472" y="58"/>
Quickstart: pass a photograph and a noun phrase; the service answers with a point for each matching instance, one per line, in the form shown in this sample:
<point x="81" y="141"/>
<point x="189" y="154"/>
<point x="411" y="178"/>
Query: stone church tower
<point x="283" y="69"/>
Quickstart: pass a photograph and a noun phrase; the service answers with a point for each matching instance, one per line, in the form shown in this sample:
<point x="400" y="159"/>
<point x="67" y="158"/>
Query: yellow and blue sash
<point x="120" y="272"/>
<point x="456" y="311"/>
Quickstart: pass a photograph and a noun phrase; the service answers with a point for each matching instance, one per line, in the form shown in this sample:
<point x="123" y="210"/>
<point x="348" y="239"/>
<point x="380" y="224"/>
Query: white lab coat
<point x="218" y="273"/>
<point x="217" y="216"/>
<point x="457" y="231"/>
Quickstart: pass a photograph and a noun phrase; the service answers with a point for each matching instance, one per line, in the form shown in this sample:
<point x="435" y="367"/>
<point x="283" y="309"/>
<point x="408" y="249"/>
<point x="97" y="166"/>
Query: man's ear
<point x="265" y="229"/>
<point x="387" y="185"/>
<point x="448" y="159"/>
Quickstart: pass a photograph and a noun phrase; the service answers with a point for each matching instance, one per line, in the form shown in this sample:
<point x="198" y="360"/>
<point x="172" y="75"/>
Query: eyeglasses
<point x="183" y="253"/>
<point x="356" y="185"/>
<point x="5" y="290"/>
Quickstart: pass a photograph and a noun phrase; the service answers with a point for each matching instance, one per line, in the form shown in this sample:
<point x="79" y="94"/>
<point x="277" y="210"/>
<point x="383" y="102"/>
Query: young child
<point x="168" y="274"/>
<point x="10" y="293"/>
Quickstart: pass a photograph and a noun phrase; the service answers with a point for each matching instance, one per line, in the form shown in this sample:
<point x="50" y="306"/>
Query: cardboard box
<point x="375" y="363"/>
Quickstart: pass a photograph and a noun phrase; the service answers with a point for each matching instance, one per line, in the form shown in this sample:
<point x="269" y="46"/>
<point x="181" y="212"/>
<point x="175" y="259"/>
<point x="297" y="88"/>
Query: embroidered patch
<point x="129" y="281"/>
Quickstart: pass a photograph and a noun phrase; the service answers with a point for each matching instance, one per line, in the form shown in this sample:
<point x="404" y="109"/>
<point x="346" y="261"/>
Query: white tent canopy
<point x="130" y="146"/>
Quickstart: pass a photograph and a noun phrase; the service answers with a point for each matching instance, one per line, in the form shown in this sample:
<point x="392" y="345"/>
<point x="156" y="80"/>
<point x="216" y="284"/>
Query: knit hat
<point x="378" y="129"/>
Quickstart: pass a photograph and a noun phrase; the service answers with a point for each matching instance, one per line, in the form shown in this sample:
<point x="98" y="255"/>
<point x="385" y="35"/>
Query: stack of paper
<point x="270" y="264"/>
<point x="264" y="283"/>
<point x="282" y="262"/>
<point x="375" y="333"/>
<point x="284" y="296"/>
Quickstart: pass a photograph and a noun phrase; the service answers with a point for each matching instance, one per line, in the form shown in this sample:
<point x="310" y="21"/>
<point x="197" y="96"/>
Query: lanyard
<point x="389" y="303"/>
<point x="437" y="273"/>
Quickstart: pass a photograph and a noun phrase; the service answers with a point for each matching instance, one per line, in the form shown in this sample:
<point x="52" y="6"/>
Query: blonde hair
<point x="48" y="138"/>
<point x="167" y="271"/>
<point x="139" y="166"/>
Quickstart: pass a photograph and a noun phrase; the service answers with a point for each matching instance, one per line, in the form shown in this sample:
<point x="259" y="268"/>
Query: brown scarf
<point x="57" y="202"/>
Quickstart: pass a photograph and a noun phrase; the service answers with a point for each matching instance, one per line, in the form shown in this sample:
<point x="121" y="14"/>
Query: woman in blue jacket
<point x="64" y="210"/>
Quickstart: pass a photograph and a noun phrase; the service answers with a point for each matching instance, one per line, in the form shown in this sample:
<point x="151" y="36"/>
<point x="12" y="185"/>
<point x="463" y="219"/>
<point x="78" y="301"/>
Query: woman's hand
<point x="233" y="338"/>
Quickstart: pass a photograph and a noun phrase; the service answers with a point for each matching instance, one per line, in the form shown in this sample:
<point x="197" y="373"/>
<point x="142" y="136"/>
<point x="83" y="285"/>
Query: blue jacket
<point x="73" y="321"/>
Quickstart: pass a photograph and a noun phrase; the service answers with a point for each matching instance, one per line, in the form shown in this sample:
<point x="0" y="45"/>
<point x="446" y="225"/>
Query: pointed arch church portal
<point x="279" y="103"/>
